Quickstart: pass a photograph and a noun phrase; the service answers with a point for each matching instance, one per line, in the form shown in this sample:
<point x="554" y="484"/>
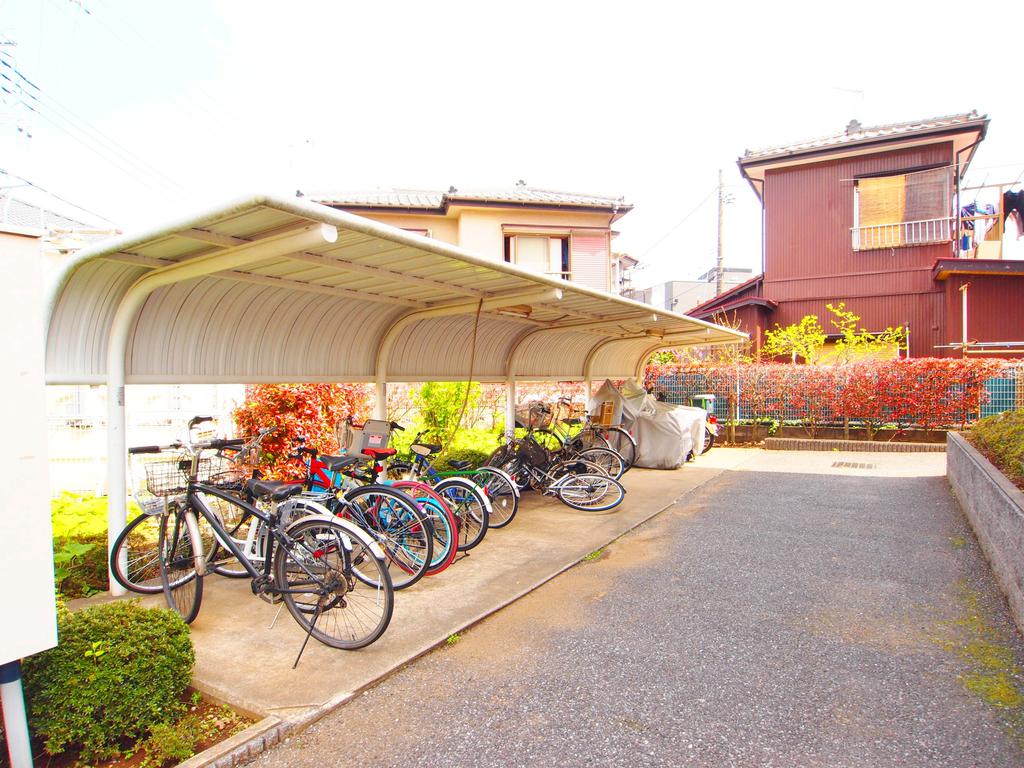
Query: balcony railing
<point x="876" y="236"/>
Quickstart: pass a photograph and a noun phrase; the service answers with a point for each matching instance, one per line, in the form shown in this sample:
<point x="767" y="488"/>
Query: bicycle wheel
<point x="397" y="524"/>
<point x="135" y="558"/>
<point x="500" y="455"/>
<point x="502" y="492"/>
<point x="343" y="597"/>
<point x="182" y="585"/>
<point x="444" y="526"/>
<point x="709" y="440"/>
<point x="608" y="460"/>
<point x="620" y="441"/>
<point x="469" y="506"/>
<point x="590" y="493"/>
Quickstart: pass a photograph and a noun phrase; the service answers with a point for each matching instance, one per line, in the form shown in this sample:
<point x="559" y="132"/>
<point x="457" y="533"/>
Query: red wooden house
<point x="871" y="217"/>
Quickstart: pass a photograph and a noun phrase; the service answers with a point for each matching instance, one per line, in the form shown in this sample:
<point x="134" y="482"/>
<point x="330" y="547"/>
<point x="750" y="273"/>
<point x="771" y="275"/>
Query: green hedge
<point x="119" y="670"/>
<point x="1001" y="439"/>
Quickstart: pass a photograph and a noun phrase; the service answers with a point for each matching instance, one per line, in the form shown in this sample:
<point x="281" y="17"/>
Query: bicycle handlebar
<point x="152" y="448"/>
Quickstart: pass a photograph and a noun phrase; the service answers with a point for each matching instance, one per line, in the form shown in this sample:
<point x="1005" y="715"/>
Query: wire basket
<point x="537" y="416"/>
<point x="168" y="476"/>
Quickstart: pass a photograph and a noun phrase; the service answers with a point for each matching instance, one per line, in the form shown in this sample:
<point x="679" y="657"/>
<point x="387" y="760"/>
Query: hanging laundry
<point x="1013" y="207"/>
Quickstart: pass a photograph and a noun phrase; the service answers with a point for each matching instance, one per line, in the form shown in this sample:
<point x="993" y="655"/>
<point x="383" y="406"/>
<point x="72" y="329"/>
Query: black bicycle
<point x="329" y="573"/>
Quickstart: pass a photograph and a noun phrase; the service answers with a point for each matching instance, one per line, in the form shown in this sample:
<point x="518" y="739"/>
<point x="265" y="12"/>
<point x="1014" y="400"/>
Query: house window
<point x="539" y="253"/>
<point x="911" y="208"/>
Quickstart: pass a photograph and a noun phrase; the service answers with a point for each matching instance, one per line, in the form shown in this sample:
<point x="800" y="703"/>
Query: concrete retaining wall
<point x="995" y="508"/>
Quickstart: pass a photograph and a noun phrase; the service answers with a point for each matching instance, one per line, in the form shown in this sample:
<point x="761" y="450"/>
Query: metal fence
<point x="1002" y="393"/>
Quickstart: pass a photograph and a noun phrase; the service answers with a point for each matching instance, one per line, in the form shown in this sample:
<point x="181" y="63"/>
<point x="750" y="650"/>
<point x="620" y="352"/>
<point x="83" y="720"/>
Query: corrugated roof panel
<point x="239" y="325"/>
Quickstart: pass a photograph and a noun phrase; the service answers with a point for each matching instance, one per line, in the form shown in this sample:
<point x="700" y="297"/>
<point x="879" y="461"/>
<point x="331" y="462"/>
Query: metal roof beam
<point x="214" y="238"/>
<point x="537" y="295"/>
<point x="379" y="272"/>
<point x="274" y="282"/>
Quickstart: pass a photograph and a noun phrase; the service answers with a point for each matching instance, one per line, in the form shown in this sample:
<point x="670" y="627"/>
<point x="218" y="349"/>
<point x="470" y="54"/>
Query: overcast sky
<point x="146" y="110"/>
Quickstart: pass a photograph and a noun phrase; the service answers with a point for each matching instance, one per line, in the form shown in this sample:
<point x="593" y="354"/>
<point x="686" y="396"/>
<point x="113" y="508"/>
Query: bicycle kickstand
<point x="316" y="615"/>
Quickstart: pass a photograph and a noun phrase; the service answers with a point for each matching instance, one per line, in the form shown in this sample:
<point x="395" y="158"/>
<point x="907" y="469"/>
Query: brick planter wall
<point x="995" y="508"/>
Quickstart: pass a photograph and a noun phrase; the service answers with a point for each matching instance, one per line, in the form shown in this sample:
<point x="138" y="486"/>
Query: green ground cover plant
<point x="119" y="670"/>
<point x="1001" y="439"/>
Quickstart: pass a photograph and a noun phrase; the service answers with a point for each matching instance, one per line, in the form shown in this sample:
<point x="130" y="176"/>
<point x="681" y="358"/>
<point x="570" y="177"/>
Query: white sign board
<point x="28" y="621"/>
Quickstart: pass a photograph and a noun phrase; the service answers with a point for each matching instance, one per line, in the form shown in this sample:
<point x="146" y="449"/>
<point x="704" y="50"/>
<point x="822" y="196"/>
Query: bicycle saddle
<point x="431" y="447"/>
<point x="337" y="463"/>
<point x="271" y="488"/>
<point x="460" y="464"/>
<point x="379" y="453"/>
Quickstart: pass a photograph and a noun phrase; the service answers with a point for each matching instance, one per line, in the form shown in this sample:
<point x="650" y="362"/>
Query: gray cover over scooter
<point x="665" y="433"/>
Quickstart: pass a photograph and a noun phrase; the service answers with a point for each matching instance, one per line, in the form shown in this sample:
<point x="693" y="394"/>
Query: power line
<point x="54" y="195"/>
<point x="91" y="137"/>
<point x="680" y="223"/>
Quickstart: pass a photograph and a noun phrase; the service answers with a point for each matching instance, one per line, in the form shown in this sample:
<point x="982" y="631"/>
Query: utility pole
<point x="720" y="271"/>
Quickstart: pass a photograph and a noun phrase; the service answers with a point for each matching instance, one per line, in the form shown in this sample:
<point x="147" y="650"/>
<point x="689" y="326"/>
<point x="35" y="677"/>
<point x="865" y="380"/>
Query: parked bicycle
<point x="498" y="486"/>
<point x="468" y="503"/>
<point x="134" y="558"/>
<point x="576" y="482"/>
<point x="561" y="434"/>
<point x="329" y="573"/>
<point x="598" y="459"/>
<point x="418" y="540"/>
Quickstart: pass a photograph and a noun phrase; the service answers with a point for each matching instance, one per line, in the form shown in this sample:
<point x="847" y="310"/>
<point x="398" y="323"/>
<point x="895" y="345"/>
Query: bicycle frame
<point x="270" y="520"/>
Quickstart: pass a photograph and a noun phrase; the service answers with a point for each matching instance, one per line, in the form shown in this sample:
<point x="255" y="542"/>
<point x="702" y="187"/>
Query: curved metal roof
<point x="271" y="289"/>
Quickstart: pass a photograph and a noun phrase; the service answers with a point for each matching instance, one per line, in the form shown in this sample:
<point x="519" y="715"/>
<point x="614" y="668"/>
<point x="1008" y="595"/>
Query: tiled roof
<point x="384" y="198"/>
<point x="418" y="198"/>
<point x="856" y="133"/>
<point x="15" y="212"/>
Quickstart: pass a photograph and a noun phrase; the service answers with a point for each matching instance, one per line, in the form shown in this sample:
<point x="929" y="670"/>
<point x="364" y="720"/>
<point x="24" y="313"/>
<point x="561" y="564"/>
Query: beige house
<point x="560" y="234"/>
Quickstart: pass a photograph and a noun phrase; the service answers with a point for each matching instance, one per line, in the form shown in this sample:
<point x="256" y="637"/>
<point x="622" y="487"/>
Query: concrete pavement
<point x="245" y="650"/>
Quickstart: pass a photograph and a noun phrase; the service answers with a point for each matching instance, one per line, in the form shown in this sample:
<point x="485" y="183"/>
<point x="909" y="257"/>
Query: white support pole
<point x="19" y="748"/>
<point x="117" y="348"/>
<point x="510" y="407"/>
<point x="380" y="408"/>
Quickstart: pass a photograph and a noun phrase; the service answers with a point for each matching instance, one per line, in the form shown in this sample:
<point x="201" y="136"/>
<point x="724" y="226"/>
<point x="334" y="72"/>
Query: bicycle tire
<point x="503" y="492"/>
<point x="341" y="609"/>
<point x="445" y="527"/>
<point x="396" y="523"/>
<point x="709" y="440"/>
<point x="182" y="583"/>
<point x="515" y="469"/>
<point x="501" y="455"/>
<point x="139" y="569"/>
<point x="620" y="441"/>
<point x="590" y="493"/>
<point x="469" y="506"/>
<point x="611" y="463"/>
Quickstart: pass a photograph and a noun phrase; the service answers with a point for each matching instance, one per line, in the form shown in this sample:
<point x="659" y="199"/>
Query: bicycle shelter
<point x="269" y="289"/>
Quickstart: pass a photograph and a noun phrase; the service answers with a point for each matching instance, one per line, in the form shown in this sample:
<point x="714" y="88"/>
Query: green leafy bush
<point x="80" y="564"/>
<point x="1001" y="439"/>
<point x="119" y="670"/>
<point x="441" y="404"/>
<point x="80" y="542"/>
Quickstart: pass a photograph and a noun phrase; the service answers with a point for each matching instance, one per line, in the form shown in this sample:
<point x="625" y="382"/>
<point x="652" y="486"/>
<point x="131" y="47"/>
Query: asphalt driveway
<point x="802" y="609"/>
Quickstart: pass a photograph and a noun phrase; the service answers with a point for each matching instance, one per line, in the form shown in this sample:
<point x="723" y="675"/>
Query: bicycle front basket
<point x="534" y="453"/>
<point x="168" y="476"/>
